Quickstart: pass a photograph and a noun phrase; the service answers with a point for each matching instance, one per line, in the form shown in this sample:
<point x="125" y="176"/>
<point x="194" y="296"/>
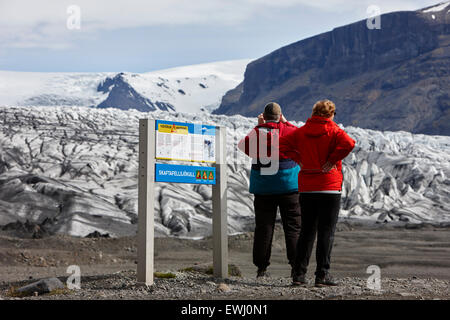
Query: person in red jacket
<point x="274" y="182"/>
<point x="318" y="147"/>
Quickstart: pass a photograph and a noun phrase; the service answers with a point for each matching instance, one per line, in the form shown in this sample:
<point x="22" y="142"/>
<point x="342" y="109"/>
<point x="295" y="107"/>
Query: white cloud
<point x="43" y="22"/>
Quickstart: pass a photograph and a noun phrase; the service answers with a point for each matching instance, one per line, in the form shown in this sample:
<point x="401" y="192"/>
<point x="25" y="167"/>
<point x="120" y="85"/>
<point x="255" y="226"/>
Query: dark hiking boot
<point x="325" y="281"/>
<point x="298" y="279"/>
<point x="262" y="272"/>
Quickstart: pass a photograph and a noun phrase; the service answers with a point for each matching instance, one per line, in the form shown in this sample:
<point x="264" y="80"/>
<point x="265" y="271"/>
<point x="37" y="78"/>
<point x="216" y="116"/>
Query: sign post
<point x="146" y="201"/>
<point x="168" y="140"/>
<point x="219" y="203"/>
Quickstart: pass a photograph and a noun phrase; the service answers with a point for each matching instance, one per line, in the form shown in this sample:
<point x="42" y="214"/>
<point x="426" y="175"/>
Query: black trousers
<point x="265" y="215"/>
<point x="319" y="216"/>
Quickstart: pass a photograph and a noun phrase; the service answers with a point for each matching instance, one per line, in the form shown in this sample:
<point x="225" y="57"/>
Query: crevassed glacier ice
<point x="74" y="169"/>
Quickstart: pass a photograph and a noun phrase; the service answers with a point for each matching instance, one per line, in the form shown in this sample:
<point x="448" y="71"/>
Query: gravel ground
<point x="200" y="286"/>
<point x="414" y="264"/>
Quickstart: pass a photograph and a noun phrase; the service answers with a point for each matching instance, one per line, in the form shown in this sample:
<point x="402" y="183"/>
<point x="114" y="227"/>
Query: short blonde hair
<point x="324" y="108"/>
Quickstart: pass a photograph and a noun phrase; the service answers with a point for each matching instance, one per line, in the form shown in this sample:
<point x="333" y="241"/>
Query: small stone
<point x="406" y="294"/>
<point x="35" y="293"/>
<point x="42" y="286"/>
<point x="223" y="287"/>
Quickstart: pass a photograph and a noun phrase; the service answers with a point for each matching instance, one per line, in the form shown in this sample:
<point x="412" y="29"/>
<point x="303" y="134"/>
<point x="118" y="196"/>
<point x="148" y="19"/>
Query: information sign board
<point x="185" y="141"/>
<point x="168" y="140"/>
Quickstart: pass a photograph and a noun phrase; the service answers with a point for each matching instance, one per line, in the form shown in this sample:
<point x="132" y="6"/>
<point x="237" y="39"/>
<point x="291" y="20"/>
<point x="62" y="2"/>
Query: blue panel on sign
<point x="184" y="174"/>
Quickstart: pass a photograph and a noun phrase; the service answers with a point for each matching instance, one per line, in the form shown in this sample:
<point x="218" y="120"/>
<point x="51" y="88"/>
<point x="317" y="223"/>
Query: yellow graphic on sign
<point x="211" y="175"/>
<point x="172" y="128"/>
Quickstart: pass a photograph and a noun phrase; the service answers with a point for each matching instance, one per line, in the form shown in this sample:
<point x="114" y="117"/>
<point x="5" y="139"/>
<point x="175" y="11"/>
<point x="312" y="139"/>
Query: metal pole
<point x="219" y="202"/>
<point x="146" y="194"/>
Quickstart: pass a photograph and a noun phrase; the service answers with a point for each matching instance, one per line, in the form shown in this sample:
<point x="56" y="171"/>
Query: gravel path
<point x="197" y="285"/>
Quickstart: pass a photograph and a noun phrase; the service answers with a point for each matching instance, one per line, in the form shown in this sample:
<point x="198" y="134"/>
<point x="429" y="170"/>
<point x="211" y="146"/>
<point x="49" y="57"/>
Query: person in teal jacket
<point x="274" y="183"/>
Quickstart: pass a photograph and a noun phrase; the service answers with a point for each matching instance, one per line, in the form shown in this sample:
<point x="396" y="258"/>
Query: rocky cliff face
<point x="393" y="78"/>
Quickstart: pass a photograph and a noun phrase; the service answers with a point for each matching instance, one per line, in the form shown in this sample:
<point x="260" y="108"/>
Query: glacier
<point x="73" y="170"/>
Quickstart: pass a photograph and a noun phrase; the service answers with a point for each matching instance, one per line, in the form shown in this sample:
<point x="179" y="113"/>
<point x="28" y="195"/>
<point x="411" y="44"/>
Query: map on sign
<point x="185" y="141"/>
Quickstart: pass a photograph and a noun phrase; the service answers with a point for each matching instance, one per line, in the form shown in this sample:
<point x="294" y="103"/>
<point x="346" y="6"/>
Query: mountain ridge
<point x="195" y="88"/>
<point x="395" y="78"/>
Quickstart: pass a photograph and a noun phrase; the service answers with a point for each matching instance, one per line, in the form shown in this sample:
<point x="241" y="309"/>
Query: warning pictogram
<point x="211" y="175"/>
<point x="174" y="129"/>
<point x="205" y="175"/>
<point x="198" y="174"/>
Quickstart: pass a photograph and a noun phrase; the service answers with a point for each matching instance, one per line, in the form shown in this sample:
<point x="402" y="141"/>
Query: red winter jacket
<point x="311" y="146"/>
<point x="284" y="129"/>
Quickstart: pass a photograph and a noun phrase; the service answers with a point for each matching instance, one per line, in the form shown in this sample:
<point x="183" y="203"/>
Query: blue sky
<point x="140" y="36"/>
